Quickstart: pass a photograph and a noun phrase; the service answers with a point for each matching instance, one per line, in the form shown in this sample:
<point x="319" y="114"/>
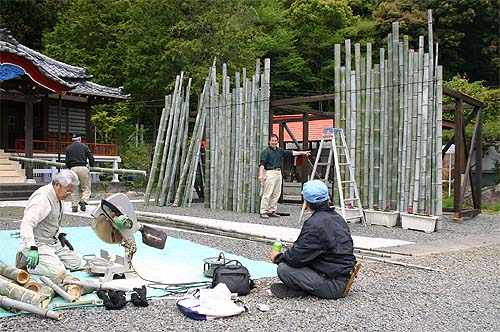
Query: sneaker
<point x="354" y="273"/>
<point x="21" y="262"/>
<point x="273" y="215"/>
<point x="74" y="208"/>
<point x="282" y="291"/>
<point x="82" y="205"/>
<point x="264" y="216"/>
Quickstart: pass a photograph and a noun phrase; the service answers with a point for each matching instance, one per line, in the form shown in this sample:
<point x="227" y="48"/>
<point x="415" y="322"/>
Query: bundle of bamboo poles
<point x="391" y="113"/>
<point x="171" y="144"/>
<point x="234" y="123"/>
<point x="236" y="132"/>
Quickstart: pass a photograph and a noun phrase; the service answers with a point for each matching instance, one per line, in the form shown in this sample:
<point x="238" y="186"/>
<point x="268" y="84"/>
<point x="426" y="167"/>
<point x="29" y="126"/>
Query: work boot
<point x="82" y="205"/>
<point x="354" y="273"/>
<point x="74" y="208"/>
<point x="21" y="262"/>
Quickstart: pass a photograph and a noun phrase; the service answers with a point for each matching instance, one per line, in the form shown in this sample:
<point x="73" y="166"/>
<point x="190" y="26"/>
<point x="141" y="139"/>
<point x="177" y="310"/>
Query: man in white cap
<point x="321" y="261"/>
<point x="77" y="155"/>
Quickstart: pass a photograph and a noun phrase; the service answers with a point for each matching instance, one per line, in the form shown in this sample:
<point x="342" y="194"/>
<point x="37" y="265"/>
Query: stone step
<point x="12" y="179"/>
<point x="9" y="167"/>
<point x="15" y="195"/>
<point x="12" y="172"/>
<point x="17" y="191"/>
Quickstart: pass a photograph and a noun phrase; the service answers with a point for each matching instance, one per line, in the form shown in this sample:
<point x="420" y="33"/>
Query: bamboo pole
<point x="237" y="144"/>
<point x="92" y="169"/>
<point x="376" y="142"/>
<point x="189" y="169"/>
<point x="184" y="113"/>
<point x="172" y="144"/>
<point x="367" y="132"/>
<point x="23" y="306"/>
<point x="33" y="285"/>
<point x="20" y="276"/>
<point x="160" y="141"/>
<point x="62" y="293"/>
<point x="394" y="115"/>
<point x="169" y="105"/>
<point x="19" y="293"/>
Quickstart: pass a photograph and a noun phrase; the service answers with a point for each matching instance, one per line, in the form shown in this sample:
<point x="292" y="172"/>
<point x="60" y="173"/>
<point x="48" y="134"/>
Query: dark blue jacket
<point x="77" y="154"/>
<point x="324" y="244"/>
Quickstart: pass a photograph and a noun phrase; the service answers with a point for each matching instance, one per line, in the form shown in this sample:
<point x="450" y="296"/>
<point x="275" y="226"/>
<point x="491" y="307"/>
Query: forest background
<point x="143" y="44"/>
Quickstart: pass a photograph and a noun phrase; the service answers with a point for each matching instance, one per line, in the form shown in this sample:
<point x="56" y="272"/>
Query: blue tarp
<point x="180" y="261"/>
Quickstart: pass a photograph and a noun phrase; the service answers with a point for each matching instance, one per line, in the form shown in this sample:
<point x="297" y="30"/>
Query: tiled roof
<point x="315" y="128"/>
<point x="89" y="88"/>
<point x="73" y="77"/>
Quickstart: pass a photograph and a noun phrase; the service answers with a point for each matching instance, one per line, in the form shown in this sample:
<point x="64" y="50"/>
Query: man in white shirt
<point x="44" y="247"/>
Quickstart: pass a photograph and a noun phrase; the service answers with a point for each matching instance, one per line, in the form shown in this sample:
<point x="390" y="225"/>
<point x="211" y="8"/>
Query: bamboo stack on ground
<point x="391" y="114"/>
<point x="16" y="292"/>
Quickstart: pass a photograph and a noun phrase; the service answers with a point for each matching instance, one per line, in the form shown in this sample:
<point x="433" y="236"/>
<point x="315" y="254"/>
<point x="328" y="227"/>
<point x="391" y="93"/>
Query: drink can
<point x="277" y="246"/>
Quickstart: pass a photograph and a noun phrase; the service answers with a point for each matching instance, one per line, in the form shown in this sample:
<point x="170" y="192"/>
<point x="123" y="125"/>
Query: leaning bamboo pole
<point x="160" y="140"/>
<point x="169" y="102"/>
<point x="172" y="144"/>
<point x="188" y="172"/>
<point x="184" y="114"/>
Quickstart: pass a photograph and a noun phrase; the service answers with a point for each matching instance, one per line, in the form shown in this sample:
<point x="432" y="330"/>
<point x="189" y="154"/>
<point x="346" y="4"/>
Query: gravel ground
<point x="385" y="297"/>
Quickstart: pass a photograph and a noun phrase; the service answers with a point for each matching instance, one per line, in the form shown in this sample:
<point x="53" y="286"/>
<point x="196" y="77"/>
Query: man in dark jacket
<point x="77" y="155"/>
<point x="321" y="260"/>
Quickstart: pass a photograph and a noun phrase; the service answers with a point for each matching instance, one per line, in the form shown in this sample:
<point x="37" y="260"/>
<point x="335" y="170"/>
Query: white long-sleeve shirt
<point x="37" y="210"/>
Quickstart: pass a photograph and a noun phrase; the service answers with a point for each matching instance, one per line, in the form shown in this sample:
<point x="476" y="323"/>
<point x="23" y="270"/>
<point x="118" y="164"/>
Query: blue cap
<point x="315" y="191"/>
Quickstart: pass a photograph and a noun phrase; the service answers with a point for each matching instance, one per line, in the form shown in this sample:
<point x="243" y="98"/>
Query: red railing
<point x="51" y="147"/>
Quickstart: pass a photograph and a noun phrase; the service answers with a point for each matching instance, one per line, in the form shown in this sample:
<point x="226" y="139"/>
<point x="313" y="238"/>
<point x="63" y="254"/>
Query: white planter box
<point x="349" y="212"/>
<point x="384" y="218"/>
<point x="418" y="222"/>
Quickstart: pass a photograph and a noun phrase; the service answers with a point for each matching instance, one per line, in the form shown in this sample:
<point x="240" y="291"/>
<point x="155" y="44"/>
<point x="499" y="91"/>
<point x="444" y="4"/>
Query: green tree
<point x="466" y="31"/>
<point x="28" y="19"/>
<point x="491" y="112"/>
<point x="90" y="34"/>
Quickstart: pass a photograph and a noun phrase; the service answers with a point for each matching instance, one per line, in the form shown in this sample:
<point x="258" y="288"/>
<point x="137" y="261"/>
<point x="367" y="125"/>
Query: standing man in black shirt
<point x="77" y="155"/>
<point x="271" y="162"/>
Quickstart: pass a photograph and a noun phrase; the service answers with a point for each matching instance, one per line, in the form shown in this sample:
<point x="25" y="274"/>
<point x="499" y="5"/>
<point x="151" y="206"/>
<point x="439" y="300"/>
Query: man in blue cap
<point x="321" y="261"/>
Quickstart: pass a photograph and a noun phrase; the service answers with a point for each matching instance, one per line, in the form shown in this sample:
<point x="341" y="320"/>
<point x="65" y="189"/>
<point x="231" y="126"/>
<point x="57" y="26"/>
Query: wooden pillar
<point x="28" y="133"/>
<point x="281" y="135"/>
<point x="305" y="147"/>
<point x="476" y="198"/>
<point x="459" y="154"/>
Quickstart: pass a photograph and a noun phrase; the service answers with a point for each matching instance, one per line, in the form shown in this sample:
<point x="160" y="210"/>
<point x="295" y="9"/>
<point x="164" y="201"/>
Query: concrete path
<point x="447" y="245"/>
<point x="272" y="232"/>
<point x="290" y="234"/>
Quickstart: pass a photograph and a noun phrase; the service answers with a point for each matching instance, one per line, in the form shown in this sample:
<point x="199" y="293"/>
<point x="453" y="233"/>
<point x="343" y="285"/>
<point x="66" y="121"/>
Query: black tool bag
<point x="235" y="276"/>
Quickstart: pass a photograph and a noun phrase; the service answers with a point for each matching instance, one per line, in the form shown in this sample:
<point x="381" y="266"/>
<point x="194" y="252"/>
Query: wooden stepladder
<point x="350" y="206"/>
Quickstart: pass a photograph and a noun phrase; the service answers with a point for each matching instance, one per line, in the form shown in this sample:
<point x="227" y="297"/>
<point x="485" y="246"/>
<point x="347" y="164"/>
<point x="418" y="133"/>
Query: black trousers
<point x="309" y="280"/>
